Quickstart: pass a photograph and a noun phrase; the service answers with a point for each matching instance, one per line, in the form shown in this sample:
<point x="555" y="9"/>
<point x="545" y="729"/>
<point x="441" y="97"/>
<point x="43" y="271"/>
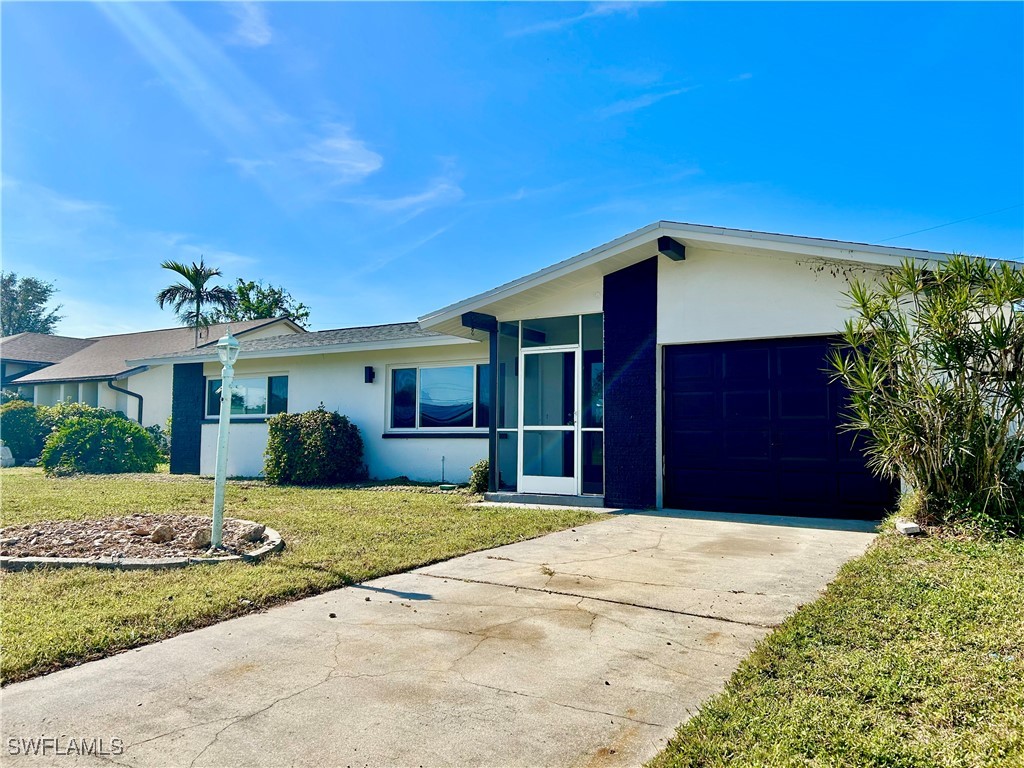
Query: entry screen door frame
<point x="539" y="443"/>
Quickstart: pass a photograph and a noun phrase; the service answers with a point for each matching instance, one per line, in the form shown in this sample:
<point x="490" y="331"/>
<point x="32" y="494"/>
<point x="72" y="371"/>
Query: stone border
<point x="272" y="546"/>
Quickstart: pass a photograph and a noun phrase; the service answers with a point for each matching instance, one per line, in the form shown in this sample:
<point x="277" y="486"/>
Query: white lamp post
<point x="227" y="350"/>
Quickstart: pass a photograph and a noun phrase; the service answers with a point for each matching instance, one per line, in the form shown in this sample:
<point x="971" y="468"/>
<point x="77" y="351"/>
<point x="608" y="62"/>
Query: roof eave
<point x="696" y="234"/>
<point x="325" y="349"/>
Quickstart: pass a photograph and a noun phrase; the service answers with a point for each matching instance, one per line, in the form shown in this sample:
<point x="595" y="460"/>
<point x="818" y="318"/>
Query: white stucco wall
<point x="584" y="299"/>
<point x="721" y="296"/>
<point x="337" y="381"/>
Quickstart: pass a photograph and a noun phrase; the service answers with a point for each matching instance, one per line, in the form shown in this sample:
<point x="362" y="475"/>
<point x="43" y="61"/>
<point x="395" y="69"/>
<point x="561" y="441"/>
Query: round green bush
<point x="20" y="429"/>
<point x="313" y="448"/>
<point x="52" y="417"/>
<point x="99" y="445"/>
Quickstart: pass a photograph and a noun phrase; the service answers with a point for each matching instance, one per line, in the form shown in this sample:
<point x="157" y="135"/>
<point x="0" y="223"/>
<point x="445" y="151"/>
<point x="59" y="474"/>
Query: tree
<point x="256" y="301"/>
<point x="23" y="305"/>
<point x="934" y="361"/>
<point x="190" y="298"/>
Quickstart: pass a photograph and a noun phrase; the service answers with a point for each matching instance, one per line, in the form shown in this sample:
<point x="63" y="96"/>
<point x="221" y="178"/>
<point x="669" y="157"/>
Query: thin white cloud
<point x="442" y="190"/>
<point x="292" y="163"/>
<point x="640" y="102"/>
<point x="744" y="76"/>
<point x="345" y="159"/>
<point x="398" y="252"/>
<point x="249" y="167"/>
<point x="253" y="30"/>
<point x="594" y="10"/>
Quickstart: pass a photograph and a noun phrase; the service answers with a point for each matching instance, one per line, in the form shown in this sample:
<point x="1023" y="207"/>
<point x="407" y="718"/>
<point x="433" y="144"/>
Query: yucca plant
<point x="934" y="362"/>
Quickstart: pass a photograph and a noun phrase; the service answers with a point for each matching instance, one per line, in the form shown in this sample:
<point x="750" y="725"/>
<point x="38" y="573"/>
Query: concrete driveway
<point x="584" y="647"/>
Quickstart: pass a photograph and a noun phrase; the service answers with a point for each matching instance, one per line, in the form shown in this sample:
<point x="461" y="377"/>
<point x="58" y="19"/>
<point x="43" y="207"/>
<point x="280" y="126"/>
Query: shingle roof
<point x="40" y="347"/>
<point x="107" y="356"/>
<point x="365" y="334"/>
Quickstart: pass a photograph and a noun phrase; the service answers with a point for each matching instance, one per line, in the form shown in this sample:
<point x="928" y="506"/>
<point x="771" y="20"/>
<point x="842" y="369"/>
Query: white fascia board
<point x="692" y="234"/>
<point x="326" y="349"/>
<point x="562" y="268"/>
<point x="800" y="246"/>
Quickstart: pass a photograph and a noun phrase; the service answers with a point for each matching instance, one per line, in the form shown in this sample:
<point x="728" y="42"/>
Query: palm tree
<point x="188" y="298"/>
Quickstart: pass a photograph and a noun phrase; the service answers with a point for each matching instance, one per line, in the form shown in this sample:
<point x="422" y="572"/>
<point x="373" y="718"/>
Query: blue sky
<point x="383" y="160"/>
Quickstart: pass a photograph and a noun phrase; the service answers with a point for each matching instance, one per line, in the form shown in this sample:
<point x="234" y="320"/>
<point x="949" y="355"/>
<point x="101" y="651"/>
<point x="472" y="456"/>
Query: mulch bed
<point x="128" y="537"/>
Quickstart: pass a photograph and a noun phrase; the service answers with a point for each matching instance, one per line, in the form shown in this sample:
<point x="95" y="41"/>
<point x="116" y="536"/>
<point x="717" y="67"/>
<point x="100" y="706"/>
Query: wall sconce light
<point x="368" y="374"/>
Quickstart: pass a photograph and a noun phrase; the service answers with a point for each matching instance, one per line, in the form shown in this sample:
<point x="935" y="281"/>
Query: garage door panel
<point x="696" y="402"/>
<point x="812" y="443"/>
<point x="707" y="484"/>
<point x="699" y="367"/>
<point x="746" y="444"/>
<point x="807" y="485"/>
<point x="745" y="364"/>
<point x="801" y="361"/>
<point x="856" y="486"/>
<point x="695" y="444"/>
<point x="803" y="403"/>
<point x="747" y="405"/>
<point x="754" y="427"/>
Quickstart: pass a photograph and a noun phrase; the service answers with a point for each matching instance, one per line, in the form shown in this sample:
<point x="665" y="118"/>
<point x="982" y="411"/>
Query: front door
<point x="549" y="396"/>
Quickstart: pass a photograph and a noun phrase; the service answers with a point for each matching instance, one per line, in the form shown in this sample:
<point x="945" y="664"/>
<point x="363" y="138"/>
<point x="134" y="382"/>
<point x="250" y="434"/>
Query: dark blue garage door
<point x="752" y="426"/>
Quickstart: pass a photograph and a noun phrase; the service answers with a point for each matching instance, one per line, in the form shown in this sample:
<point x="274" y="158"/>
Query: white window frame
<point x="418" y="430"/>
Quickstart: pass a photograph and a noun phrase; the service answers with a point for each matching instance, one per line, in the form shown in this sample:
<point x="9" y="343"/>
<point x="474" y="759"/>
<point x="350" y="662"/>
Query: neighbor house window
<point x="256" y="396"/>
<point x="440" y="397"/>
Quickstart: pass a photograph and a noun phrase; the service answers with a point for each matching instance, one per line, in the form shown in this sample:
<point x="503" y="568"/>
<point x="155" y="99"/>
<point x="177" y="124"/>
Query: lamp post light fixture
<point x="227" y="351"/>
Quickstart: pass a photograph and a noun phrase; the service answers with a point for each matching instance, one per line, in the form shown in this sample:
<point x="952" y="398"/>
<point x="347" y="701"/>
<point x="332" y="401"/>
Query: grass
<point x="335" y="536"/>
<point x="913" y="657"/>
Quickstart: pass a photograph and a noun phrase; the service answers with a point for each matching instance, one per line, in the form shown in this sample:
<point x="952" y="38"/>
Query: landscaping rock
<point x="908" y="527"/>
<point x="161" y="534"/>
<point x="254" y="533"/>
<point x="200" y="539"/>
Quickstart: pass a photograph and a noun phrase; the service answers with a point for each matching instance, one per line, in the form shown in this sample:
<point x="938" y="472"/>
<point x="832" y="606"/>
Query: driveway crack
<point x="547" y="591"/>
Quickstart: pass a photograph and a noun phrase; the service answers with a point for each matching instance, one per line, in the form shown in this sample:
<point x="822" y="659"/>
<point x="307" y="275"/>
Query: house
<point x="26" y="352"/>
<point x="96" y="371"/>
<point x="679" y="366"/>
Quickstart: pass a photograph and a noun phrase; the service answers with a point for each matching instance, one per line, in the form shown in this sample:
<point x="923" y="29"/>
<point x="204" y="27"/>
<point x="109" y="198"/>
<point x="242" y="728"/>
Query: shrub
<point x="479" y="476"/>
<point x="934" y="361"/>
<point x="313" y="448"/>
<point x="20" y="429"/>
<point x="99" y="445"/>
<point x="52" y="417"/>
<point x="162" y="440"/>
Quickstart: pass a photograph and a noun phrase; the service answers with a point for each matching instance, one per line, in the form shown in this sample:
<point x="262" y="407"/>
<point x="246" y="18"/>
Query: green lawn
<point x="56" y="618"/>
<point x="914" y="657"/>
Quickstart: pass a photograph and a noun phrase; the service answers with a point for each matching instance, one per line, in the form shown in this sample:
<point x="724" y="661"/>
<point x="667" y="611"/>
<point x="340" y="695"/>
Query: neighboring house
<point x="96" y="371"/>
<point x="26" y="352"/>
<point x="679" y="366"/>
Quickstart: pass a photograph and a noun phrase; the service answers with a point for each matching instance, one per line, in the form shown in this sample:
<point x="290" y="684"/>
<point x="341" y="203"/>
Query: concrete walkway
<point x="584" y="647"/>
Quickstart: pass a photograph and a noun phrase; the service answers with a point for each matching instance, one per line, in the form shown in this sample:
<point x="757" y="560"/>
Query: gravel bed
<point x="128" y="537"/>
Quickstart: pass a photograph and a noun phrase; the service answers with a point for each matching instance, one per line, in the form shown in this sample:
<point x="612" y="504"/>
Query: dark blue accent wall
<point x="630" y="396"/>
<point x="187" y="393"/>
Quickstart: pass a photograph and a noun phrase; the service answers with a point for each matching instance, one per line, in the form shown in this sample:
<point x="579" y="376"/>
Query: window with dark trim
<point x="452" y="397"/>
<point x="252" y="396"/>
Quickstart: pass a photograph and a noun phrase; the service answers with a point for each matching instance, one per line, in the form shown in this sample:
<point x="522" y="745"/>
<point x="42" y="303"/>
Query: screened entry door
<point x="549" y="396"/>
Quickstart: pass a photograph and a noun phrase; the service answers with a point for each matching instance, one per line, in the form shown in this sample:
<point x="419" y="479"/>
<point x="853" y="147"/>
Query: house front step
<point x="507" y="497"/>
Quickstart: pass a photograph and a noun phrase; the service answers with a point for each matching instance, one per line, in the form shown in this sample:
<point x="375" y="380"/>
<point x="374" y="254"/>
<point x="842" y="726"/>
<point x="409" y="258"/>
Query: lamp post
<point x="227" y="351"/>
